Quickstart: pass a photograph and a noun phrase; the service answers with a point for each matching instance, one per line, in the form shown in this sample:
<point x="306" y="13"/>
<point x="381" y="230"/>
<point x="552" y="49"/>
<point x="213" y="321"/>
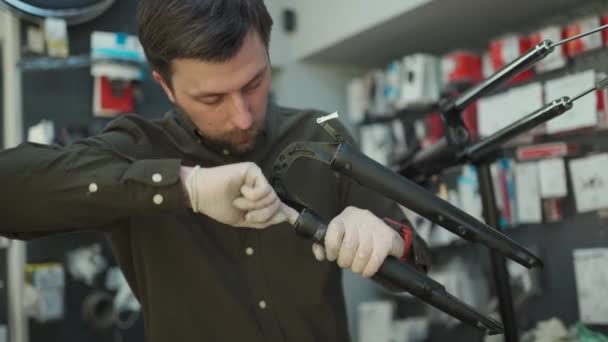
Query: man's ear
<point x="164" y="84"/>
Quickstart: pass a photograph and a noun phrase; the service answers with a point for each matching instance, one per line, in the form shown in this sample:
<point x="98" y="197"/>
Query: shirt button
<point x="157" y="178"/>
<point x="262" y="304"/>
<point x="158" y="199"/>
<point x="93" y="187"/>
<point x="249" y="251"/>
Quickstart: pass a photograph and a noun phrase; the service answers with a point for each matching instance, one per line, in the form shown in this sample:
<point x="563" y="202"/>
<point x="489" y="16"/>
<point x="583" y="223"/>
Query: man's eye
<point x="254" y="85"/>
<point x="210" y="100"/>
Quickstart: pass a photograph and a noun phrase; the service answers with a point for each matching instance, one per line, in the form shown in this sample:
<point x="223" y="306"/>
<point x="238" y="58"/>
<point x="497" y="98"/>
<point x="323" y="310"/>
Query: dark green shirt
<point x="197" y="279"/>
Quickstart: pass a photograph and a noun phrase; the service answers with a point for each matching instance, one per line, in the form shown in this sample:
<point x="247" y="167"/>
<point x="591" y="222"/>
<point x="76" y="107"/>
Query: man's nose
<point x="241" y="115"/>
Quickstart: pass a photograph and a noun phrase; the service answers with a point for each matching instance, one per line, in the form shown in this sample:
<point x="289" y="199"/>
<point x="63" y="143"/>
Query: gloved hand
<point x="236" y="194"/>
<point x="359" y="240"/>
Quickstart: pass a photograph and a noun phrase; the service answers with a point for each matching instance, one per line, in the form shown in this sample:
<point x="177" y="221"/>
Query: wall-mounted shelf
<point x="72" y="62"/>
<point x="440" y="26"/>
<point x="54" y="63"/>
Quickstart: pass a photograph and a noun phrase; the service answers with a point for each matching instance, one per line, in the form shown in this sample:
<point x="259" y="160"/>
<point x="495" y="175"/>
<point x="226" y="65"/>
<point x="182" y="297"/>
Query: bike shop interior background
<point x="382" y="65"/>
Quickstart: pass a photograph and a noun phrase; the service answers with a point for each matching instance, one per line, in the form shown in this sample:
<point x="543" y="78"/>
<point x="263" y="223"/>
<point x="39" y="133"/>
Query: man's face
<point x="226" y="101"/>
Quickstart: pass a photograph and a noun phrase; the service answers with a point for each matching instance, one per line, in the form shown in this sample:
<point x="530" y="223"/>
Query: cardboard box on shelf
<point x="505" y="50"/>
<point x="461" y="66"/>
<point x="558" y="58"/>
<point x="588" y="43"/>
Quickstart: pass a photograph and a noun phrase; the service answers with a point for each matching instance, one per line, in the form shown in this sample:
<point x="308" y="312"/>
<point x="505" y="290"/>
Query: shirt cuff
<point x="415" y="251"/>
<point x="406" y="234"/>
<point x="155" y="186"/>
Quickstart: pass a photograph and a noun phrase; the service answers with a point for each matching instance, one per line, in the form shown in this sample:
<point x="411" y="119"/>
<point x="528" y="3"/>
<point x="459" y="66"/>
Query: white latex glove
<point x="236" y="194"/>
<point x="359" y="240"/>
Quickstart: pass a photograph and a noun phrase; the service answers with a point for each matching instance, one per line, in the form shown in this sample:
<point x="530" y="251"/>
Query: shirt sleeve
<point x="51" y="189"/>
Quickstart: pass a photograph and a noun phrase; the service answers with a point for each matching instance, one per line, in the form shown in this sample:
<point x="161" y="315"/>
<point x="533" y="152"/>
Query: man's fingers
<point x="318" y="251"/>
<point x="348" y="249"/>
<point x="363" y="253"/>
<point x="256" y="192"/>
<point x="398" y="246"/>
<point x="291" y="215"/>
<point x="252" y="173"/>
<point x="256" y="185"/>
<point x="246" y="204"/>
<point x="375" y="261"/>
<point x="333" y="239"/>
<point x="382" y="247"/>
<point x="264" y="214"/>
<point x="283" y="214"/>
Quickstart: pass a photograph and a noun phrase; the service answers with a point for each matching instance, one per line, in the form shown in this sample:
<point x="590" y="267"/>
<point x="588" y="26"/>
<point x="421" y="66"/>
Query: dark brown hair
<point x="207" y="30"/>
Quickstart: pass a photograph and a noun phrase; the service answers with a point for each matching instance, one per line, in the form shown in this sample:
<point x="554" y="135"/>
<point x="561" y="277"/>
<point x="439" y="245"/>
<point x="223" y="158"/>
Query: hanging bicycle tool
<point x="341" y="157"/>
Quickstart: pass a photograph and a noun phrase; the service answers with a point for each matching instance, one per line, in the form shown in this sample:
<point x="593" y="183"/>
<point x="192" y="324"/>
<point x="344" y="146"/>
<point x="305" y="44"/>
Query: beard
<point x="236" y="142"/>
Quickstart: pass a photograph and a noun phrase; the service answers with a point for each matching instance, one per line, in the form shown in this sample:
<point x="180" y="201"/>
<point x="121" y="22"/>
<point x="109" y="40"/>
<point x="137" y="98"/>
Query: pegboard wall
<point x="65" y="96"/>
